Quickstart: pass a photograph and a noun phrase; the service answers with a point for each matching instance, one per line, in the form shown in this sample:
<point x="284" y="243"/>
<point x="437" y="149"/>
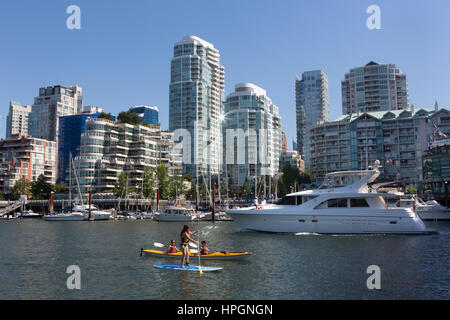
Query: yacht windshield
<point x="341" y="180"/>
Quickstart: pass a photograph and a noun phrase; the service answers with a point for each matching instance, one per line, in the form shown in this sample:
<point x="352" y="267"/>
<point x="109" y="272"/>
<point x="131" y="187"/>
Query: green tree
<point x="60" y="187"/>
<point x="40" y="189"/>
<point x="163" y="181"/>
<point x="106" y="116"/>
<point x="121" y="185"/>
<point x="176" y="186"/>
<point x="410" y="189"/>
<point x="149" y="183"/>
<point x="129" y="117"/>
<point x="21" y="187"/>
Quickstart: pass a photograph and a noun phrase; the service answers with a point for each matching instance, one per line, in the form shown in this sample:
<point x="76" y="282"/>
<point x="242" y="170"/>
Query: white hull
<point x="339" y="221"/>
<point x="434" y="214"/>
<point x="174" y="218"/>
<point x="98" y="216"/>
<point x="64" y="217"/>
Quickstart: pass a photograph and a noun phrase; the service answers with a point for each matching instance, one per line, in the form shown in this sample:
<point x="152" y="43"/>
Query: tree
<point x="410" y="189"/>
<point x="21" y="187"/>
<point x="176" y="186"/>
<point x="41" y="189"/>
<point x="129" y="117"/>
<point x="163" y="181"/>
<point x="106" y="116"/>
<point x="149" y="183"/>
<point x="60" y="187"/>
<point x="121" y="185"/>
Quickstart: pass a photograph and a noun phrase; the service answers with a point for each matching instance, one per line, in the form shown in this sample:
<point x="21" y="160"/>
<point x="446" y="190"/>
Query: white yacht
<point x="430" y="210"/>
<point x="96" y="214"/>
<point x="30" y="214"/>
<point x="73" y="216"/>
<point x="344" y="204"/>
<point x="178" y="213"/>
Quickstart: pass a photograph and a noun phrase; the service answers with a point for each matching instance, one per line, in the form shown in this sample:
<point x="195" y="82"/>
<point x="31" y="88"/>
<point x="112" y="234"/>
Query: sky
<point x="121" y="55"/>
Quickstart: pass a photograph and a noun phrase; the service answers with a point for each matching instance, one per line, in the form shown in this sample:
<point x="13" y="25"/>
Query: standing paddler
<point x="185" y="238"/>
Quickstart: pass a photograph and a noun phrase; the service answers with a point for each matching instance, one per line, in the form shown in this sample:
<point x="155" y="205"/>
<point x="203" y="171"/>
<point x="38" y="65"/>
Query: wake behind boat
<point x="344" y="204"/>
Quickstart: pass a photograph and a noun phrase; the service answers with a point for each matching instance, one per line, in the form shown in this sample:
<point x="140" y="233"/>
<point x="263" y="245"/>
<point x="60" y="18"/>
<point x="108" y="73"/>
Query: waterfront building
<point x="312" y="106"/>
<point x="23" y="156"/>
<point x="436" y="159"/>
<point x="147" y="114"/>
<point x="374" y="87"/>
<point x="53" y="102"/>
<point x="69" y="138"/>
<point x="397" y="138"/>
<point x="251" y="134"/>
<point x="293" y="158"/>
<point x="17" y="119"/>
<point x="197" y="92"/>
<point x="109" y="147"/>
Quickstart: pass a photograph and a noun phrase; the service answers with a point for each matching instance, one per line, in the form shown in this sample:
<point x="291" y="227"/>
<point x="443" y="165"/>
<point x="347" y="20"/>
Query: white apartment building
<point x="252" y="136"/>
<point x="17" y="119"/>
<point x="53" y="102"/>
<point x="374" y="87"/>
<point x="26" y="157"/>
<point x="197" y="92"/>
<point x="109" y="147"/>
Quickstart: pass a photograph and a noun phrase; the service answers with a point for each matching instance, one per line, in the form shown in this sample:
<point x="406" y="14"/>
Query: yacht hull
<point x="337" y="222"/>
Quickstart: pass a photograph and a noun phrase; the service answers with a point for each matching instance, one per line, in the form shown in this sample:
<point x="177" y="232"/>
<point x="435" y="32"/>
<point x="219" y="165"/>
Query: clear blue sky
<point x="121" y="56"/>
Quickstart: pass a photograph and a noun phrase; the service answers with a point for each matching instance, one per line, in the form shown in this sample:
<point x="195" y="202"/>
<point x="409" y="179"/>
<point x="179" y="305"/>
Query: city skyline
<point x="130" y="63"/>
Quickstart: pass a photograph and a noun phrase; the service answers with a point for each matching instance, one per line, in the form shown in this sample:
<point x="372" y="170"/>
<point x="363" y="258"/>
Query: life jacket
<point x="204" y="251"/>
<point x="172" y="249"/>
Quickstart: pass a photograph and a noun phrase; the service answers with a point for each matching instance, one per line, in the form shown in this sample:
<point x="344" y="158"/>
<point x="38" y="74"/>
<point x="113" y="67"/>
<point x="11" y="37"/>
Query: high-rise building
<point x="53" y="102"/>
<point x="17" y="119"/>
<point x="26" y="157"/>
<point x="252" y="134"/>
<point x="374" y="87"/>
<point x="147" y="114"/>
<point x="312" y="106"/>
<point x="69" y="138"/>
<point x="109" y="147"/>
<point x="197" y="92"/>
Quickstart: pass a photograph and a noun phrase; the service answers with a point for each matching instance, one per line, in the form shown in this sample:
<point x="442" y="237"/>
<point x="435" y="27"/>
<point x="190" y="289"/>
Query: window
<point x="337" y="203"/>
<point x="358" y="203"/>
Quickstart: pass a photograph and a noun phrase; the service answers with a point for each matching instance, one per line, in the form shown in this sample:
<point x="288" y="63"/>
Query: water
<point x="34" y="255"/>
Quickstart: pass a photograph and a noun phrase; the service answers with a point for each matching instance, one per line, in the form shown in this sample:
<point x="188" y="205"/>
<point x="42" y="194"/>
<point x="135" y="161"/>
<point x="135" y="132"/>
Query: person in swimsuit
<point x="172" y="247"/>
<point x="185" y="238"/>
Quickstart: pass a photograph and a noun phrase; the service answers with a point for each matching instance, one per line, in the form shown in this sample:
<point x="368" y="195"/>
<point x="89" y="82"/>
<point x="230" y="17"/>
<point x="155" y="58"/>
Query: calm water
<point x="34" y="255"/>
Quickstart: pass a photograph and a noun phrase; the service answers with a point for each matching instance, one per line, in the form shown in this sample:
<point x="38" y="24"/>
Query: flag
<point x="442" y="134"/>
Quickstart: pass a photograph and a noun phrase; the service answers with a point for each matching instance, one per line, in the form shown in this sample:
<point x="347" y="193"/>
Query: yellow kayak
<point x="211" y="256"/>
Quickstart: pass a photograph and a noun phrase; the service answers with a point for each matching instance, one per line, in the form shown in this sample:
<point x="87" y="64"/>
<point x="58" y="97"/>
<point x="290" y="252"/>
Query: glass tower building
<point x="312" y="106"/>
<point x="147" y="114"/>
<point x="197" y="92"/>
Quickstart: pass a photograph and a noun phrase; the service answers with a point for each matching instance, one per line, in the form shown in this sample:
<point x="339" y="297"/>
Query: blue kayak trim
<point x="186" y="268"/>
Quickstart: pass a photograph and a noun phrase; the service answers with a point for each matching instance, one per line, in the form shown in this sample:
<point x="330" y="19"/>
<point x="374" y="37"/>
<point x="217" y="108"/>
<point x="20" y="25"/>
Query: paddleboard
<point x="186" y="268"/>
